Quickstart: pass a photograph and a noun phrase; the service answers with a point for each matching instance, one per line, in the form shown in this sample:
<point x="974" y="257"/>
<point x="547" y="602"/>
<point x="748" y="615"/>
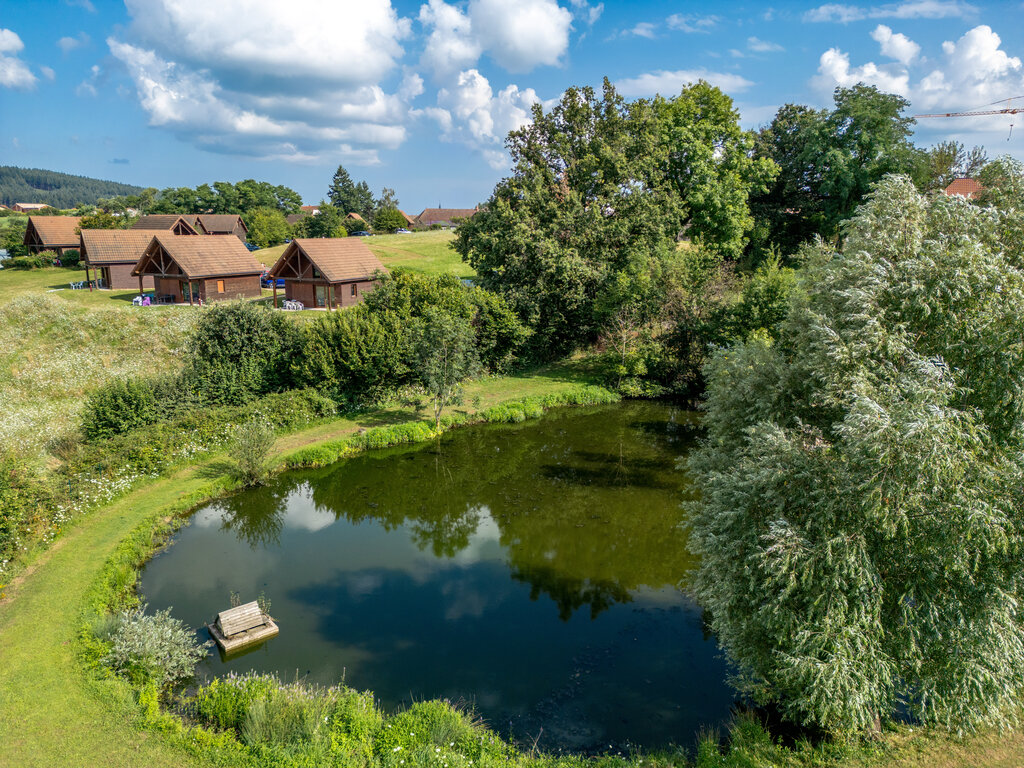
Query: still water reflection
<point x="534" y="571"/>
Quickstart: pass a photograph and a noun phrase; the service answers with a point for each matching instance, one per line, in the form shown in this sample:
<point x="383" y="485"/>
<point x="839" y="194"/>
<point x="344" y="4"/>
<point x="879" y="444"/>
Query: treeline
<point x="658" y="229"/>
<point x="61" y="190"/>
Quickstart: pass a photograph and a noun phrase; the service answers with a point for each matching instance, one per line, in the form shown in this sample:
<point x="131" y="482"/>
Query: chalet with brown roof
<point x="444" y="217"/>
<point x="295" y="218"/>
<point x="170" y="222"/>
<point x="113" y="253"/>
<point x="355" y="217"/>
<point x="409" y="220"/>
<point x="968" y="188"/>
<point x="326" y="272"/>
<point x="51" y="233"/>
<point x="199" y="269"/>
<point x="28" y="207"/>
<point x="224" y="224"/>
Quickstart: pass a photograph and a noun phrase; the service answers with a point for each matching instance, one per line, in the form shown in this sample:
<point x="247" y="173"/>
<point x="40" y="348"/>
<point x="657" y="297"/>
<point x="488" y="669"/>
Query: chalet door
<point x="321" y="295"/>
<point x="186" y="292"/>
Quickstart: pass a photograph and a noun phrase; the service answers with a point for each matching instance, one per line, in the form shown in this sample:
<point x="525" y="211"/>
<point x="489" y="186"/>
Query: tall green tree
<point x="341" y="193"/>
<point x="859" y="527"/>
<point x="267" y="227"/>
<point x="949" y="160"/>
<point x="445" y="356"/>
<point x="330" y="222"/>
<point x="828" y="161"/>
<point x="587" y="209"/>
<point x="709" y="160"/>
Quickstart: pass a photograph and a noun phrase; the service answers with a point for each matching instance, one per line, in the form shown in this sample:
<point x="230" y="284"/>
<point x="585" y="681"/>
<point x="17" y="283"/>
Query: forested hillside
<point x="61" y="190"/>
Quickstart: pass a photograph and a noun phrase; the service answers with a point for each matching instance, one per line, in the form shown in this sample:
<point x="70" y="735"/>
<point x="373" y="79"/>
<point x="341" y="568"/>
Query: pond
<point x="535" y="572"/>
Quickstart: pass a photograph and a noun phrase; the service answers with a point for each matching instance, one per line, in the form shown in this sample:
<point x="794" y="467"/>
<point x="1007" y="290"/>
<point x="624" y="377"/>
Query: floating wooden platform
<point x="240" y="627"/>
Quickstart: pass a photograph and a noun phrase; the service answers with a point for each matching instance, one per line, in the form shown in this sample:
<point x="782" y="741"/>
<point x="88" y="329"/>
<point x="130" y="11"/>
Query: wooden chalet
<point x="295" y="218"/>
<point x="968" y="188"/>
<point x="326" y="272"/>
<point x="113" y="253"/>
<point x="356" y="217"/>
<point x="199" y="269"/>
<point x="409" y="220"/>
<point x="29" y="207"/>
<point x="51" y="233"/>
<point x="171" y="222"/>
<point x="444" y="217"/>
<point x="224" y="224"/>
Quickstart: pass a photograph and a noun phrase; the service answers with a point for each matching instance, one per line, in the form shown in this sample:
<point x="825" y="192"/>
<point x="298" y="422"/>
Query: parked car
<point x="402" y="231"/>
<point x="361" y="233"/>
<point x="266" y="282"/>
<point x="252" y="247"/>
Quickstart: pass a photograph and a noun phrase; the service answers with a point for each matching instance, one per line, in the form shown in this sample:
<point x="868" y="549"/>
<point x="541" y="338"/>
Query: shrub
<point x="70" y="258"/>
<point x="388" y="220"/>
<point x="32" y="261"/>
<point x="22" y="498"/>
<point x="153" y="648"/>
<point x="249" y="449"/>
<point x="118" y="407"/>
<point x="434" y="733"/>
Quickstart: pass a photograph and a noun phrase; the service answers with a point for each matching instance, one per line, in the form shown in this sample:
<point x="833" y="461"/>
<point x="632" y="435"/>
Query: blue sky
<point x="419" y="95"/>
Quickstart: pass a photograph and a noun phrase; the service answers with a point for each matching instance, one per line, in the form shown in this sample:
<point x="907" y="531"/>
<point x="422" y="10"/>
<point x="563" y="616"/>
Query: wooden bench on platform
<point x="242" y="626"/>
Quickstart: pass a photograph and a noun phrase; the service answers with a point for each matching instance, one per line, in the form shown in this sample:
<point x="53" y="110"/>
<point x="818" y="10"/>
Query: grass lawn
<point x="425" y="252"/>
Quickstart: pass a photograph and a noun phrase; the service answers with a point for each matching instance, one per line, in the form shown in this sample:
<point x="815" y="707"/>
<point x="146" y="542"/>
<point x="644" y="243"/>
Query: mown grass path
<point x="51" y="712"/>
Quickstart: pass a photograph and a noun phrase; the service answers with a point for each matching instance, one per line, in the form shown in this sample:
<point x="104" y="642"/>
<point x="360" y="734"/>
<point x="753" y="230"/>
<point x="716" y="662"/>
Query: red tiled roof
<point x="355" y="216"/>
<point x="442" y="215"/>
<point x="969" y="188"/>
<point x="114" y="246"/>
<point x="55" y="231"/>
<point x="339" y="259"/>
<point x="199" y="257"/>
<point x="165" y="222"/>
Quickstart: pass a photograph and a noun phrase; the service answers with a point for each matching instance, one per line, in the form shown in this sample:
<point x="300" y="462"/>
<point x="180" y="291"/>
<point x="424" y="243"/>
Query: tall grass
<point x="53" y="353"/>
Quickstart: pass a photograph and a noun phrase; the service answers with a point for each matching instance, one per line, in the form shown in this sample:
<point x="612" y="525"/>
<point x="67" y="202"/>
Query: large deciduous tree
<point x="710" y="162"/>
<point x="588" y="201"/>
<point x="828" y="161"/>
<point x="859" y="527"/>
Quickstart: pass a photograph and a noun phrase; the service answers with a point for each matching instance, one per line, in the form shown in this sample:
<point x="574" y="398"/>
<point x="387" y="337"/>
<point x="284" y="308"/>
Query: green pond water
<point x="535" y="572"/>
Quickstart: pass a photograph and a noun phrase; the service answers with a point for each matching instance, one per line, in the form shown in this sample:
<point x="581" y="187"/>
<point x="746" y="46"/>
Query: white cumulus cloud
<point x="470" y="112"/>
<point x="298" y="81"/>
<point x="972" y="71"/>
<point x="14" y="73"/>
<point x="757" y="45"/>
<point x="670" y="83"/>
<point x="895" y="45"/>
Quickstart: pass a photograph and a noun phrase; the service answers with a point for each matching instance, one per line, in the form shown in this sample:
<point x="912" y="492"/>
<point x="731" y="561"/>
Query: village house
<point x="356" y="217"/>
<point x="170" y="222"/>
<point x="28" y="207"/>
<point x="224" y="224"/>
<point x="448" y="218"/>
<point x="409" y="220"/>
<point x="113" y="253"/>
<point x="326" y="272"/>
<point x="51" y="233"/>
<point x="968" y="188"/>
<point x="199" y="269"/>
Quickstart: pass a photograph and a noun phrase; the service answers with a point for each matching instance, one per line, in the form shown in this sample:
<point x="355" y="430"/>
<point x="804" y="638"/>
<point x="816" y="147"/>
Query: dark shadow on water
<point x="605" y="478"/>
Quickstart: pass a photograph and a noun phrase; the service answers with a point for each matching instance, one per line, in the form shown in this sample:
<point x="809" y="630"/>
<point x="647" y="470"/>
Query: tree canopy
<point x="828" y="160"/>
<point x="859" y="526"/>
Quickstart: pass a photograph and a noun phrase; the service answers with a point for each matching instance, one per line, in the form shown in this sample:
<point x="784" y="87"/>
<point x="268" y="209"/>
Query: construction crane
<point x="979" y="113"/>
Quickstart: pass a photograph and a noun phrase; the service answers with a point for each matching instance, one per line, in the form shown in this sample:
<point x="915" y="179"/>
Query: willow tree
<point x="861" y="512"/>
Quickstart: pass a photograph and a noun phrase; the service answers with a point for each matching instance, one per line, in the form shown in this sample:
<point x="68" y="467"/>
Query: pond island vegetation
<point x="853" y="335"/>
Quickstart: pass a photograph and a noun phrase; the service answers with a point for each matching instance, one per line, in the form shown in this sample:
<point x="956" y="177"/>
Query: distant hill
<point x="61" y="190"/>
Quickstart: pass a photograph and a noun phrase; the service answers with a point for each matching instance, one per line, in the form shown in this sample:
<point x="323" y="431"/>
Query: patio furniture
<point x="137" y="301"/>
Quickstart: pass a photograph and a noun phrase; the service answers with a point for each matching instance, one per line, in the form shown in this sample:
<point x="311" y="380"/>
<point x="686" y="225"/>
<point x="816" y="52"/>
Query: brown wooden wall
<point x="119" y="277"/>
<point x="244" y="286"/>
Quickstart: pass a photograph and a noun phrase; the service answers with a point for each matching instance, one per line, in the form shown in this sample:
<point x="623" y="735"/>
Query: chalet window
<point x="220" y="286"/>
<point x="355" y="291"/>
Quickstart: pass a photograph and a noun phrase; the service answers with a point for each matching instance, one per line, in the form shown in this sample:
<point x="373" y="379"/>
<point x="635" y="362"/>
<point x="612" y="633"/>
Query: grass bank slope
<point x="57" y="346"/>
